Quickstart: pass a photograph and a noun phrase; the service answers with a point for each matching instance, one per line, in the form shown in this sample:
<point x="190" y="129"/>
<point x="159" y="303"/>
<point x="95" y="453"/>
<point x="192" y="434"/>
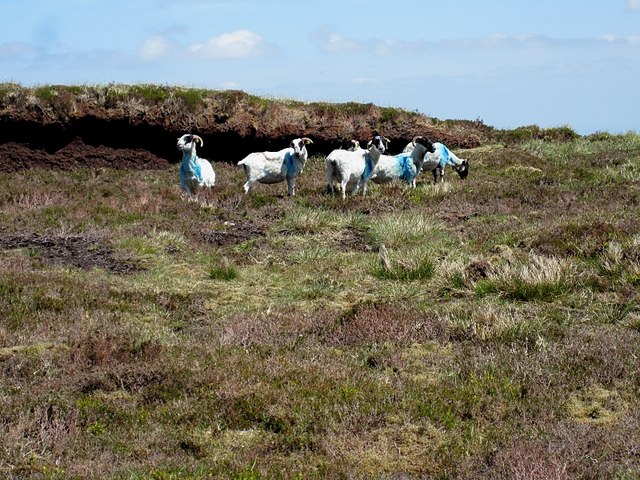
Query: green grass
<point x="480" y="329"/>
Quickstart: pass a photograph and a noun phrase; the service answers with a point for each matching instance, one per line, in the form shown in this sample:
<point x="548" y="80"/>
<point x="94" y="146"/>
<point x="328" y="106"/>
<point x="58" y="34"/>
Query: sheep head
<point x="298" y="144"/>
<point x="462" y="169"/>
<point x="352" y="145"/>
<point x="425" y="142"/>
<point x="188" y="142"/>
<point x="380" y="142"/>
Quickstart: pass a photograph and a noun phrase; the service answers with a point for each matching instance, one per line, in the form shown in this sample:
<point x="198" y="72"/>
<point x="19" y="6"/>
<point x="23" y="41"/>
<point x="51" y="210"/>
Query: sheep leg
<point x="437" y="174"/>
<point x="291" y="186"/>
<point x="330" y="188"/>
<point x="207" y="193"/>
<point x="343" y="189"/>
<point x="247" y="187"/>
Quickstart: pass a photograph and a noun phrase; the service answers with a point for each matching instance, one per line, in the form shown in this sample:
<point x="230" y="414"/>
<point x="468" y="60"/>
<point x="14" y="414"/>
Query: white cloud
<point x="238" y="44"/>
<point x="620" y="39"/>
<point x="154" y="47"/>
<point x="338" y="43"/>
<point x="633" y="4"/>
<point x="16" y="49"/>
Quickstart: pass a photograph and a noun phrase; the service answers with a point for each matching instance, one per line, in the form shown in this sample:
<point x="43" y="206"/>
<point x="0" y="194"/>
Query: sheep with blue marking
<point x="195" y="173"/>
<point x="404" y="166"/>
<point x="354" y="167"/>
<point x="440" y="158"/>
<point x="276" y="167"/>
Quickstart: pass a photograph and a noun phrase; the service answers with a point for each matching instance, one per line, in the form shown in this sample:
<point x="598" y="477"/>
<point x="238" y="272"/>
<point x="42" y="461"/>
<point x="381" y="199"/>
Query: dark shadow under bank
<point x="25" y="144"/>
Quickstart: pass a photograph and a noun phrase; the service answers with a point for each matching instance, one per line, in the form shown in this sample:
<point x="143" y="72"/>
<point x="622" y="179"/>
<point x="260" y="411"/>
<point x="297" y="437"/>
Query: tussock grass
<point x="534" y="278"/>
<point x="415" y="264"/>
<point x="484" y="329"/>
<point x="404" y="229"/>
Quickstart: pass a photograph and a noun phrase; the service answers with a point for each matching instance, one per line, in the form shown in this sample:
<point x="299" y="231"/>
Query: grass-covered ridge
<point x="215" y="112"/>
<point x="481" y="329"/>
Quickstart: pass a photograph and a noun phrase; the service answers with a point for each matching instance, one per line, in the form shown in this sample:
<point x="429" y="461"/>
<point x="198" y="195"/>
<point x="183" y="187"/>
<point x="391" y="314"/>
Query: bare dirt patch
<point x="17" y="156"/>
<point x="353" y="239"/>
<point x="78" y="251"/>
<point x="233" y="233"/>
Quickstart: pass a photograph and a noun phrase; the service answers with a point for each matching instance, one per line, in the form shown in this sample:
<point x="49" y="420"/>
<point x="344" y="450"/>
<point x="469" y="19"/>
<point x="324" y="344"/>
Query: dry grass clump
<point x="533" y="278"/>
<point x="596" y="405"/>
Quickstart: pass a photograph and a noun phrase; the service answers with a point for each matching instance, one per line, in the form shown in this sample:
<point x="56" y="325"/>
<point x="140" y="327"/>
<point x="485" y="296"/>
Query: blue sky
<point x="507" y="62"/>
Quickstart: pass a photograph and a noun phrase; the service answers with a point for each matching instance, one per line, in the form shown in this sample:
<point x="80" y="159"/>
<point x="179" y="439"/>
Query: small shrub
<point x="45" y="94"/>
<point x="191" y="97"/>
<point x="150" y="93"/>
<point x="259" y="200"/>
<point x="534" y="132"/>
<point x="225" y="272"/>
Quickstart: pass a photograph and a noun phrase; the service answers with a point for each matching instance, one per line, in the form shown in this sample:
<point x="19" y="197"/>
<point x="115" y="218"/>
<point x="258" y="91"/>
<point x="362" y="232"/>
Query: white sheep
<point x="195" y="173"/>
<point x="354" y="167"/>
<point x="440" y="158"/>
<point x="404" y="166"/>
<point x="275" y="167"/>
<point x="352" y="146"/>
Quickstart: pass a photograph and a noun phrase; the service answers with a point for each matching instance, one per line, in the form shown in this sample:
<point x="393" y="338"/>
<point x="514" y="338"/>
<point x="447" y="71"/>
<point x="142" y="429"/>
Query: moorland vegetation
<point x="486" y="328"/>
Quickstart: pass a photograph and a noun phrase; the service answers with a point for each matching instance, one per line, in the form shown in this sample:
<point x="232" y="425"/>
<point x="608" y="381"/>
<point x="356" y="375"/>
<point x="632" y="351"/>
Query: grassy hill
<point x="480" y="329"/>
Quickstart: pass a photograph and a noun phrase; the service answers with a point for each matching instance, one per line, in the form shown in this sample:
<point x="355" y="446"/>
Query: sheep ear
<point x="198" y="139"/>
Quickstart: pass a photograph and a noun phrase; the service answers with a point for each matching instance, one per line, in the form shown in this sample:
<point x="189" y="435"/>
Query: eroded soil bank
<point x="136" y="127"/>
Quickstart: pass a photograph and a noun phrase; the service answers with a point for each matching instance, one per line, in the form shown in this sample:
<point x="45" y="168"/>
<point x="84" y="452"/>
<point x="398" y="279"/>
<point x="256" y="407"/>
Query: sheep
<point x="195" y="173"/>
<point x="275" y="167"/>
<point x="352" y="146"/>
<point x="441" y="157"/>
<point x="404" y="166"/>
<point x="354" y="167"/>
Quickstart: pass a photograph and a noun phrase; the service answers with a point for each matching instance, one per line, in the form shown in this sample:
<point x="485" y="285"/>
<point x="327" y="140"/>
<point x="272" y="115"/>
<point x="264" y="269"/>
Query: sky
<point x="508" y="63"/>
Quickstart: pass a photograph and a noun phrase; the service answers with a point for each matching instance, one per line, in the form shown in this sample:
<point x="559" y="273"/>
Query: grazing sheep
<point x="354" y="167"/>
<point x="195" y="173"/>
<point x="275" y="167"/>
<point x="404" y="166"/>
<point x="441" y="157"/>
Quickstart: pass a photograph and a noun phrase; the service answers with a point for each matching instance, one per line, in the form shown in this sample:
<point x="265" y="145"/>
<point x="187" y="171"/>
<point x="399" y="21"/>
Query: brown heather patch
<point x="367" y="325"/>
<point x="381" y="324"/>
<point x="580" y="237"/>
<point x="597" y="452"/>
<point x="528" y="460"/>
